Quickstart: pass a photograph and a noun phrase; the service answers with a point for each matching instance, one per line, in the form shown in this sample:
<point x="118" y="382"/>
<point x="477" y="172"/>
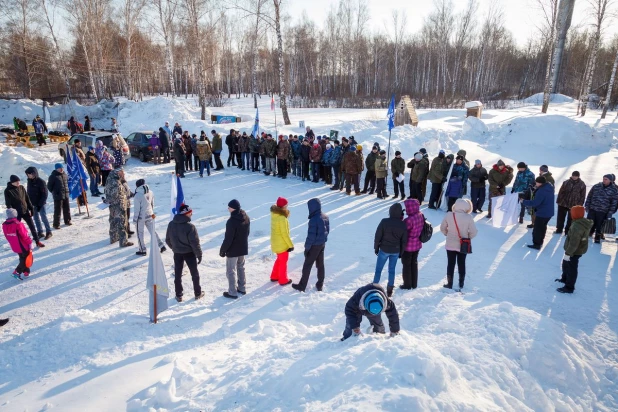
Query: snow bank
<point x="474" y="128"/>
<point x="537" y="99"/>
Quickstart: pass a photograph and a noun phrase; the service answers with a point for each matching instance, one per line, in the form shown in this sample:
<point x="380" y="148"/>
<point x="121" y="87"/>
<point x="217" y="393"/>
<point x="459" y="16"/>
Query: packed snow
<point x="80" y="339"/>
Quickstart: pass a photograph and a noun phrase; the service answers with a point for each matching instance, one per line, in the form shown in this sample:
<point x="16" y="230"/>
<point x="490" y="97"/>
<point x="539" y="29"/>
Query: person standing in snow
<point x="217" y="148"/>
<point x="114" y="126"/>
<point x="106" y="161"/>
<point x="234" y="248"/>
<point x="283" y="153"/>
<point x="601" y="204"/>
<point x="38" y="131"/>
<point x="418" y="177"/>
<point x="457" y="225"/>
<point x="381" y="173"/>
<point x="398" y="167"/>
<point x="370" y="175"/>
<point x="155" y="143"/>
<point x="269" y="148"/>
<point x="87" y="124"/>
<point x="295" y="146"/>
<point x="37" y="191"/>
<point x="370" y="301"/>
<point x="575" y="246"/>
<point x="305" y="158"/>
<point x="186" y="143"/>
<point x="315" y="155"/>
<point x="317" y="236"/>
<point x="177" y="129"/>
<point x="179" y="156"/>
<point x="58" y="186"/>
<point x="116" y="197"/>
<point x="478" y="177"/>
<point x="16" y="197"/>
<point x="229" y="142"/>
<point x="94" y="171"/>
<point x="543" y="204"/>
<point x="144" y="217"/>
<point x="414" y="224"/>
<point x="203" y="151"/>
<point x="524" y="184"/>
<point x="571" y="193"/>
<point x="183" y="239"/>
<point x="389" y="244"/>
<point x="436" y="177"/>
<point x="164" y="138"/>
<point x="280" y="241"/>
<point x="16" y="234"/>
<point x="499" y="177"/>
<point x="254" y="149"/>
<point x="352" y="166"/>
<point x="167" y="129"/>
<point x="454" y="191"/>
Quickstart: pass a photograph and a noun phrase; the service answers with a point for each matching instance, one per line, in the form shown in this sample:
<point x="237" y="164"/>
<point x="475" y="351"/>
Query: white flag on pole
<point x="156" y="276"/>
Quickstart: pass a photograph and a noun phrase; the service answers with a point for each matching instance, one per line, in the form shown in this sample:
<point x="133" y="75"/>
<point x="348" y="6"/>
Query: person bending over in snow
<point x="575" y="246"/>
<point x="370" y="301"/>
<point x="16" y="234"/>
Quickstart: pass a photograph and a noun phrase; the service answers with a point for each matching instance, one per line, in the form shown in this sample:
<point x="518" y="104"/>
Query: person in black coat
<point x="179" y="157"/>
<point x="317" y="236"/>
<point x="370" y="301"/>
<point x="305" y="150"/>
<point x="37" y="191"/>
<point x="235" y="247"/>
<point x="389" y="244"/>
<point x="87" y="125"/>
<point x="58" y="185"/>
<point x="16" y="197"/>
<point x="165" y="144"/>
<point x="229" y="142"/>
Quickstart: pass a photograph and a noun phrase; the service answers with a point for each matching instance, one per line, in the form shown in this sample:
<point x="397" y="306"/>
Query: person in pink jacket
<point x="17" y="235"/>
<point x="456" y="225"/>
<point x="414" y="223"/>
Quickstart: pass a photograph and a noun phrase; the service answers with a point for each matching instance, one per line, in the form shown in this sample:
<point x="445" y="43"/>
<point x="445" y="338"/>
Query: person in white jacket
<point x="143" y="216"/>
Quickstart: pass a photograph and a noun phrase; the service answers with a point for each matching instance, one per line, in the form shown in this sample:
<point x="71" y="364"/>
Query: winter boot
<point x="389" y="291"/>
<point x="127" y="244"/>
<point x="564" y="289"/>
<point x="242" y="292"/>
<point x="296" y="286"/>
<point x="40" y="235"/>
<point x="39" y="244"/>
<point x="179" y="299"/>
<point x="163" y="249"/>
<point x="227" y="295"/>
<point x="597" y="239"/>
<point x="48" y="235"/>
<point x="521" y="220"/>
<point x="4" y="321"/>
<point x="140" y="253"/>
<point x="200" y="296"/>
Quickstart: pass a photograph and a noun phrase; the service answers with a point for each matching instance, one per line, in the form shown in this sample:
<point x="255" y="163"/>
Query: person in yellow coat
<point x="280" y="241"/>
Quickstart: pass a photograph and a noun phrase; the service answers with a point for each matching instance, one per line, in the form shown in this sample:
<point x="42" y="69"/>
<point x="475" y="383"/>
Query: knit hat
<point x="184" y="209"/>
<point x="544" y="169"/>
<point x="375" y="148"/>
<point x="459" y="157"/>
<point x="282" y="202"/>
<point x="374" y="302"/>
<point x="140" y="182"/>
<point x="477" y="162"/>
<point x="575" y="173"/>
<point x="58" y="166"/>
<point x="234" y="204"/>
<point x="14" y="179"/>
<point x="578" y="212"/>
<point x="611" y="177"/>
<point x="521" y="165"/>
<point x="541" y="180"/>
<point x="423" y="151"/>
<point x="382" y="151"/>
<point x="359" y="147"/>
<point x="319" y="137"/>
<point x="442" y="151"/>
<point x="397" y="153"/>
<point x="418" y="157"/>
<point x="352" y="148"/>
<point x="213" y="131"/>
<point x="500" y="163"/>
<point x="11" y="213"/>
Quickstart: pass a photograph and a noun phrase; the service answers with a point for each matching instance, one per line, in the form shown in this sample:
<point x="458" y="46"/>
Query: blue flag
<point x="75" y="172"/>
<point x="256" y="126"/>
<point x="391" y="114"/>
<point x="178" y="197"/>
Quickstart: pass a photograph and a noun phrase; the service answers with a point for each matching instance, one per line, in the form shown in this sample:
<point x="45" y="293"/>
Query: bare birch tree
<point x="610" y="87"/>
<point x="166" y="12"/>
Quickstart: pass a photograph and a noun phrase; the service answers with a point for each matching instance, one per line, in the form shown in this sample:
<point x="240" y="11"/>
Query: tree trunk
<point x="564" y="23"/>
<point x="593" y="64"/>
<point x="610" y="87"/>
<point x="89" y="67"/>
<point x="282" y="101"/>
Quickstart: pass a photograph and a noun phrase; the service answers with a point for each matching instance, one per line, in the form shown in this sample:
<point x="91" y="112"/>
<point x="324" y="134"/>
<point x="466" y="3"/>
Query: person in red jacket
<point x="17" y="235"/>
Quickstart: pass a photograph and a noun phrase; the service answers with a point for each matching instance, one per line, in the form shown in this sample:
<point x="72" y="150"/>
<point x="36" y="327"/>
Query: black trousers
<point x="64" y="206"/>
<point x="328" y="176"/>
<point x="218" y="163"/>
<point x="21" y="267"/>
<point x="188" y="161"/>
<point x="231" y="157"/>
<point x="315" y="255"/>
<point x="410" y="270"/>
<point x="306" y="170"/>
<point x="165" y="151"/>
<point x="569" y="272"/>
<point x="598" y="218"/>
<point x="238" y="156"/>
<point x="450" y="203"/>
<point x="417" y="192"/>
<point x="477" y="195"/>
<point x="180" y="166"/>
<point x="255" y="161"/>
<point x="460" y="259"/>
<point x="399" y="187"/>
<point x="370" y="181"/>
<point x="196" y="162"/>
<point x="104" y="174"/>
<point x="30" y="223"/>
<point x="191" y="260"/>
<point x="563" y="213"/>
<point x="434" y="197"/>
<point x="351" y="180"/>
<point x="522" y="211"/>
<point x="539" y="230"/>
<point x="282" y="167"/>
<point x="381" y="191"/>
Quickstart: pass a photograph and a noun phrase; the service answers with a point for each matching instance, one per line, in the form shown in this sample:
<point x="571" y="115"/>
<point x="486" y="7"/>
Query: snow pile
<point x="537" y="99"/>
<point x="474" y="128"/>
<point x="15" y="160"/>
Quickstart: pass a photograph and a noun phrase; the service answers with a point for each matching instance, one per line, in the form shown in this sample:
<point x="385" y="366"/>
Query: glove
<point x="567" y="258"/>
<point x="222" y="253"/>
<point x="306" y="253"/>
<point x="199" y="260"/>
<point x="377" y="251"/>
<point x="291" y="250"/>
<point x="609" y="215"/>
<point x="393" y="334"/>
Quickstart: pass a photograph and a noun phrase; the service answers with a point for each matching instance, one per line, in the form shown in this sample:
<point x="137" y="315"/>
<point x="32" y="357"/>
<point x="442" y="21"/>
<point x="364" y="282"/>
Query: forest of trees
<point x="225" y="49"/>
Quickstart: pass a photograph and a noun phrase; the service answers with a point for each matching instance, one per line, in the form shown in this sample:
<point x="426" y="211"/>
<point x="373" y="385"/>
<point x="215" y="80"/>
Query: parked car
<point x="139" y="145"/>
<point x="90" y="139"/>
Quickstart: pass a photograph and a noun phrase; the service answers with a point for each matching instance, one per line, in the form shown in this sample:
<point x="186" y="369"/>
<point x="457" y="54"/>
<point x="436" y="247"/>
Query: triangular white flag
<point x="156" y="276"/>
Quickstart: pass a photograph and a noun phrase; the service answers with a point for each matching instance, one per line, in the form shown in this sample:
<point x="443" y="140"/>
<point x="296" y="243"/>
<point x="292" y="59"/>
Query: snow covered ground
<point x="79" y="337"/>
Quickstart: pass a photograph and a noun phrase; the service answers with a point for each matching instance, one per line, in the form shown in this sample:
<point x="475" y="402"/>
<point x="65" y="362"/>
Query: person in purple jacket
<point x="155" y="144"/>
<point x="414" y="223"/>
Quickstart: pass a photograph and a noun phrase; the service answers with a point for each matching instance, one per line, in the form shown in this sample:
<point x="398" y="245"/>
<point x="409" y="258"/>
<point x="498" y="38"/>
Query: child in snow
<point x="17" y="235"/>
<point x="370" y="301"/>
<point x="280" y="241"/>
<point x="575" y="246"/>
<point x="454" y="191"/>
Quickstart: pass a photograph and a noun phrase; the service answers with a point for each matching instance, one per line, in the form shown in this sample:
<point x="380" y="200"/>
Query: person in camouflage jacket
<point x="436" y="177"/>
<point x="499" y="177"/>
<point x="418" y="176"/>
<point x="116" y="197"/>
<point x="572" y="193"/>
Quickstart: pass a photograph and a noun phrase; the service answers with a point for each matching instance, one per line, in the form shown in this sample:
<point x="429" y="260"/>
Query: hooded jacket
<point x="217" y="143"/>
<point x="478" y="177"/>
<point x="336" y="157"/>
<point x="392" y="234"/>
<point x="465" y="223"/>
<point x="58" y="185"/>
<point x="295" y="146"/>
<point x="327" y="157"/>
<point x="576" y="243"/>
<point x="543" y="202"/>
<point x="370" y="161"/>
<point x="203" y="150"/>
<point x="319" y="225"/>
<point x="236" y="240"/>
<point x="280" y="240"/>
<point x="572" y="193"/>
<point x="269" y="147"/>
<point x="92" y="163"/>
<point x="380" y="167"/>
<point x="420" y="171"/>
<point x="283" y="150"/>
<point x="15" y="197"/>
<point x="16" y="234"/>
<point x="143" y="204"/>
<point x="355" y="308"/>
<point x="499" y="179"/>
<point x="305" y="151"/>
<point x="414" y="224"/>
<point x="182" y="237"/>
<point x="36" y="188"/>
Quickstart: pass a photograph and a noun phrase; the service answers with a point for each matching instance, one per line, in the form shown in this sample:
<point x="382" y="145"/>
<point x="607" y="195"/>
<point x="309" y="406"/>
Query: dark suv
<point x="139" y="145"/>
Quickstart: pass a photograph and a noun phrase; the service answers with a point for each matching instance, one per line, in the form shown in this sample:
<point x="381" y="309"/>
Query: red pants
<point x="280" y="268"/>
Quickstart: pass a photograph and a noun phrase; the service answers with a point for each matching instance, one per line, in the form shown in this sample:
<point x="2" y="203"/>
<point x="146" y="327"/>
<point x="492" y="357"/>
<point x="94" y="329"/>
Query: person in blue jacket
<point x="370" y="301"/>
<point x="543" y="204"/>
<point x="524" y="183"/>
<point x="295" y="144"/>
<point x="335" y="163"/>
<point x="327" y="163"/>
<point x="317" y="236"/>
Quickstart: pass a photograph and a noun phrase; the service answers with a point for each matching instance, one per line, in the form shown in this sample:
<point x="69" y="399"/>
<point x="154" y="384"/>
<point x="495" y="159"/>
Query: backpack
<point x="427" y="231"/>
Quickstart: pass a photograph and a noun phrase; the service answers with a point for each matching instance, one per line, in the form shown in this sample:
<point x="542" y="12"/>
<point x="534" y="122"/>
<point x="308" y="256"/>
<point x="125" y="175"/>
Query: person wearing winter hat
<point x="571" y="193"/>
<point x="370" y="301"/>
<point x="370" y="175"/>
<point x="58" y="186"/>
<point x="144" y="216"/>
<point x="16" y="197"/>
<point x="16" y="234"/>
<point x="457" y="225"/>
<point x="575" y="246"/>
<point x="398" y="168"/>
<point x="37" y="191"/>
<point x="543" y="205"/>
<point x="94" y="171"/>
<point x="499" y="177"/>
<point x="280" y="241"/>
<point x="524" y="183"/>
<point x="317" y="236"/>
<point x="389" y="244"/>
<point x="326" y="164"/>
<point x="601" y="204"/>
<point x="381" y="173"/>
<point x="436" y="177"/>
<point x="234" y="248"/>
<point x="418" y="176"/>
<point x="352" y="166"/>
<point x="478" y="177"/>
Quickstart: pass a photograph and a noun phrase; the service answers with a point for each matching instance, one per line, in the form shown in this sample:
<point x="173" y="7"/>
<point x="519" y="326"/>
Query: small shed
<point x="474" y="109"/>
<point x="405" y="113"/>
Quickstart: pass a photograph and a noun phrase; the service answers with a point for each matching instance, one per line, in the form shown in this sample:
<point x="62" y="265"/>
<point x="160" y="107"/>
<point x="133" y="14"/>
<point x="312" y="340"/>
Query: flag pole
<point x="155" y="301"/>
<point x="81" y="182"/>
